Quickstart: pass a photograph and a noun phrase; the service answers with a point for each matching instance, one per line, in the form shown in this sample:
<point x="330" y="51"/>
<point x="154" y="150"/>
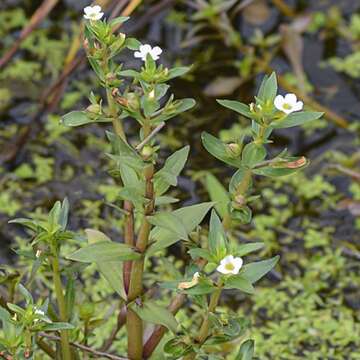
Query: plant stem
<point x="117" y="125"/>
<point x="65" y="347"/>
<point x="129" y="238"/>
<point x="204" y="330"/>
<point x="134" y="323"/>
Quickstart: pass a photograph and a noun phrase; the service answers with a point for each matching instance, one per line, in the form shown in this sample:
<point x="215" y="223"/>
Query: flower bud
<point x="110" y="77"/>
<point x="146" y="152"/>
<point x="86" y="310"/>
<point x="94" y="109"/>
<point x="239" y="201"/>
<point x="233" y="149"/>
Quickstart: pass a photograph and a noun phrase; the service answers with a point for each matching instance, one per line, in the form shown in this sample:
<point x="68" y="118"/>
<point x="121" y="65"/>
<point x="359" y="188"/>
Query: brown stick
<point x="85" y="348"/>
<point x="44" y="346"/>
<point x="41" y="12"/>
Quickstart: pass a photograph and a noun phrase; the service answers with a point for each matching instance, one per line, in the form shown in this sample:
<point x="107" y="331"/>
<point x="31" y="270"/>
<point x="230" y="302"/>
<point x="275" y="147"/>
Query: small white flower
<point x="147" y="49"/>
<point x="38" y="253"/>
<point x="230" y="265"/>
<point x="189" y="284"/>
<point x="288" y="103"/>
<point x="93" y="13"/>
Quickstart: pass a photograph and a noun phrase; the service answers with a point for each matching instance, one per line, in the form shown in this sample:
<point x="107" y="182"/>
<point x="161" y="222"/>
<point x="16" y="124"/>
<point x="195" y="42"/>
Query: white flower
<point x="93" y="13"/>
<point x="288" y="103"/>
<point x="147" y="49"/>
<point x="230" y="265"/>
<point x="190" y="284"/>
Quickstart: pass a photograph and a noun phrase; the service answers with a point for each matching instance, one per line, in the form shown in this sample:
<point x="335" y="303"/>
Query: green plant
<point x="139" y="99"/>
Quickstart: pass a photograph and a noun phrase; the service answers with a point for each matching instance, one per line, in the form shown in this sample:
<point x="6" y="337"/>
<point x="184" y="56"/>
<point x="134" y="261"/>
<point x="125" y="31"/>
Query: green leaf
<point x="197" y="253"/>
<point x="191" y="216"/>
<point x="217" y="238"/>
<point x="253" y="154"/>
<point x="149" y="105"/>
<point x="129" y="73"/>
<point x="132" y="194"/>
<point x="218" y="194"/>
<point x="153" y="313"/>
<point x="64" y="214"/>
<point x="183" y="105"/>
<point x="246" y="351"/>
<point x="296" y="118"/>
<point x="76" y="118"/>
<point x="202" y="288"/>
<point x="118" y="20"/>
<point x="104" y="251"/>
<point x="276" y="172"/>
<point x="249" y="248"/>
<point x="5" y="316"/>
<point x="164" y="200"/>
<point x="244" y="214"/>
<point x="239" y="282"/>
<point x="177" y="348"/>
<point x="177" y="71"/>
<point x="218" y="149"/>
<point x="124" y="152"/>
<point x="132" y="44"/>
<point x="57" y="326"/>
<point x="29" y="223"/>
<point x="26" y="294"/>
<point x="170" y="222"/>
<point x="237" y="178"/>
<point x="173" y="166"/>
<point x="268" y="88"/>
<point x="237" y="106"/>
<point x="256" y="270"/>
<point x="129" y="176"/>
<point x="112" y="271"/>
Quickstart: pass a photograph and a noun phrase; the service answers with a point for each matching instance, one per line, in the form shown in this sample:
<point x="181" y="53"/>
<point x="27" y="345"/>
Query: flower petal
<point x="291" y="99"/>
<point x="145" y="48"/>
<point x="97" y="8"/>
<point x="222" y="269"/>
<point x="88" y="10"/>
<point x="156" y="50"/>
<point x="298" y="106"/>
<point x="279" y="102"/>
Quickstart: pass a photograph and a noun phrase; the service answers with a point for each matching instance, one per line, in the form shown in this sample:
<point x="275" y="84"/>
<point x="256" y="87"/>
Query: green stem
<point x="134" y="323"/>
<point x="260" y="139"/>
<point x="117" y="124"/>
<point x="65" y="346"/>
<point x="204" y="330"/>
